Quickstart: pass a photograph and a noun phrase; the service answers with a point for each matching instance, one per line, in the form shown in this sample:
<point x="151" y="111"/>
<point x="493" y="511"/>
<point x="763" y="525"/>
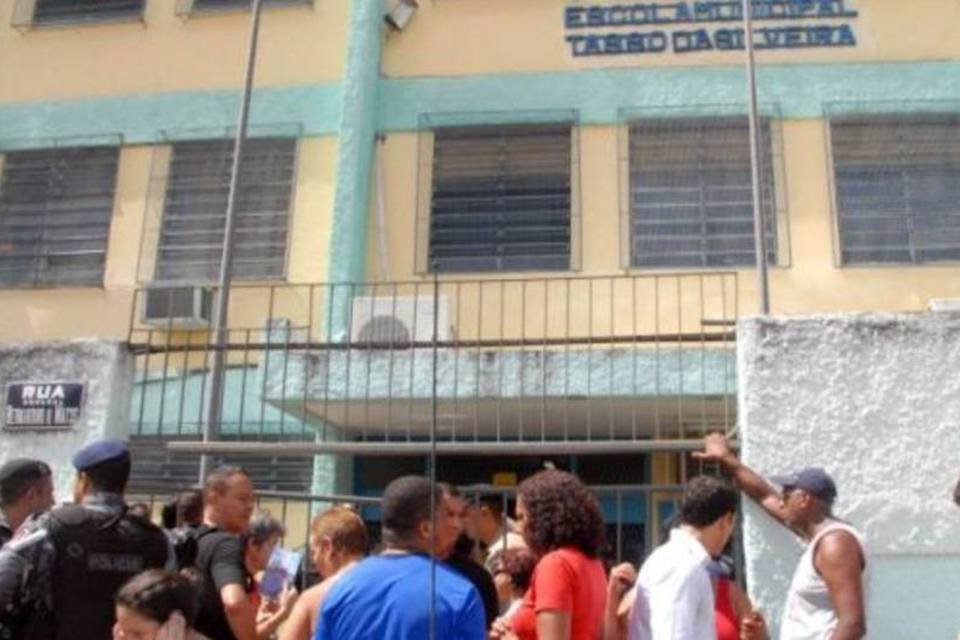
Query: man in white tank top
<point x="827" y="596"/>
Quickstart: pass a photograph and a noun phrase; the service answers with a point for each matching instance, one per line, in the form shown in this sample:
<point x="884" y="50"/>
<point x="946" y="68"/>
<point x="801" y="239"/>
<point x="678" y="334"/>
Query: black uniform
<point x="61" y="573"/>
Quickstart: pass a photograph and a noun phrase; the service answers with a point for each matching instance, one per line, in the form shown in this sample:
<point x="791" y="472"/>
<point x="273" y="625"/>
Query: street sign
<point x="42" y="405"/>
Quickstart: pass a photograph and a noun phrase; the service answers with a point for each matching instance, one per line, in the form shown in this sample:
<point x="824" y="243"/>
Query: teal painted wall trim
<point x="798" y="91"/>
<point x="148" y="118"/>
<point x="358" y="129"/>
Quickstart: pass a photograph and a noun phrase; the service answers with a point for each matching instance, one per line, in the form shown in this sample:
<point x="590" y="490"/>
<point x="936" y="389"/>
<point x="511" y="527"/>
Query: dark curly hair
<point x="561" y="512"/>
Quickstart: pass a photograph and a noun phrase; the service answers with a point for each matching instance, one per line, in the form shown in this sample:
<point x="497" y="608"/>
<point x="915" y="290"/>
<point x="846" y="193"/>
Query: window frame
<point x="25" y="17"/>
<point x="151" y="270"/>
<point x="429" y="124"/>
<point x="37" y="282"/>
<point x="770" y="117"/>
<point x="840" y="113"/>
<point x="189" y="8"/>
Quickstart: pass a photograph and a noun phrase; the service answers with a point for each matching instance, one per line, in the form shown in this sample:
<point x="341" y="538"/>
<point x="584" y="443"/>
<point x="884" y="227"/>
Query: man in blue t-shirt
<point x="387" y="597"/>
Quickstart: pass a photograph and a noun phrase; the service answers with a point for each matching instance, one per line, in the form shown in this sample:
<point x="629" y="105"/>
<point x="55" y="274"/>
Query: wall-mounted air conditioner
<point x="399" y="320"/>
<point x="179" y="306"/>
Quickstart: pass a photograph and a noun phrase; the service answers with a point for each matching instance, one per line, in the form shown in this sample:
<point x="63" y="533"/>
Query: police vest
<point x="97" y="552"/>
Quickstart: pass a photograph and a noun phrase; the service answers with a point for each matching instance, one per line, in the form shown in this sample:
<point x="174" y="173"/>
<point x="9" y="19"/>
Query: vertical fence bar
<point x="455" y="353"/>
<point x="590" y="303"/>
<point x="243" y="382"/>
<point x="522" y="353"/>
<point x="331" y="303"/>
<point x="566" y="364"/>
<point x="634" y="348"/>
<point x="265" y="359"/>
<point x="500" y="366"/>
<point x="543" y="361"/>
<point x="368" y="354"/>
<point x="476" y="411"/>
<point x="388" y="420"/>
<point x="703" y="362"/>
<point x="656" y="345"/>
<point x="611" y="357"/>
<point x="347" y="379"/>
<point x="306" y="362"/>
<point x="680" y="425"/>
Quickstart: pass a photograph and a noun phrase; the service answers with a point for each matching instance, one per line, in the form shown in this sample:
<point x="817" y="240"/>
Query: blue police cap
<point x="99" y="452"/>
<point x="813" y="480"/>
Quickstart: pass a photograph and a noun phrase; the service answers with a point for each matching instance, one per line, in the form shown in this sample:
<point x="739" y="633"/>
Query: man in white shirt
<point x="674" y="595"/>
<point x="828" y="594"/>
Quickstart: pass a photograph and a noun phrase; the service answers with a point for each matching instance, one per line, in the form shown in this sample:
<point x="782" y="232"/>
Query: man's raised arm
<point x="716" y="449"/>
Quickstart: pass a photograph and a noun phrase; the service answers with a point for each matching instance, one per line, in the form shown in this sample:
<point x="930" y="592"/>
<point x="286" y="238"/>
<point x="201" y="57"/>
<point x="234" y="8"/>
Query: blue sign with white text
<point x="611" y="29"/>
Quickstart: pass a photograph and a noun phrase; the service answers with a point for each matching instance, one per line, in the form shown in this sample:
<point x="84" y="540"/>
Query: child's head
<point x="151" y="601"/>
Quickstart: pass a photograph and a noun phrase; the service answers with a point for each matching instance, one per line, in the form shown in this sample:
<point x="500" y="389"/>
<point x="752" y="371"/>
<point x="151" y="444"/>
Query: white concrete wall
<point x="104" y="367"/>
<point x="874" y="399"/>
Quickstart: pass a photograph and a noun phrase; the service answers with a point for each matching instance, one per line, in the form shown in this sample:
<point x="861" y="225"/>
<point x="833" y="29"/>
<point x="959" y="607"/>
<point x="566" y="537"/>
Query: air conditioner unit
<point x="180" y="306"/>
<point x="945" y="304"/>
<point x="399" y="320"/>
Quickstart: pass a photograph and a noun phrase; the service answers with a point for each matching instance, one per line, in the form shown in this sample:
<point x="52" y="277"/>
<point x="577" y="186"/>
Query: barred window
<point x="501" y="198"/>
<point x="691" y="193"/>
<point x="897" y="186"/>
<point x="155" y="467"/>
<point x="214" y="5"/>
<point x="72" y="11"/>
<point x="55" y="211"/>
<point x="194" y="214"/>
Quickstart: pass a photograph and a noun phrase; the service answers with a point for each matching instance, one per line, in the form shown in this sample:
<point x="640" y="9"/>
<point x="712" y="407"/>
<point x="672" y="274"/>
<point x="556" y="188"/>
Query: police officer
<point x="59" y="575"/>
<point x="26" y="488"/>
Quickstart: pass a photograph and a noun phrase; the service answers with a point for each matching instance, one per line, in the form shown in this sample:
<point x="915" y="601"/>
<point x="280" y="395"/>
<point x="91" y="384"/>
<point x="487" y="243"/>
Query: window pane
<point x="65" y="11"/>
<point x="897" y="183"/>
<point x="691" y="194"/>
<point x="209" y="5"/>
<point x="191" y="238"/>
<point x="501" y="198"/>
<point x="55" y="210"/>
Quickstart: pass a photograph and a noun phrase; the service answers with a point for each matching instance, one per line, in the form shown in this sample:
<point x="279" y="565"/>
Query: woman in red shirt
<point x="561" y="522"/>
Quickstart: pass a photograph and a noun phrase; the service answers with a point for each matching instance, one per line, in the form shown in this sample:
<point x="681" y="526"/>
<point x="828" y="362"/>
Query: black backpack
<point x="184" y="541"/>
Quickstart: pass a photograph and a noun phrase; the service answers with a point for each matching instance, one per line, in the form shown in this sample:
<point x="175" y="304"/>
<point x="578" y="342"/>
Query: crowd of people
<point x="447" y="567"/>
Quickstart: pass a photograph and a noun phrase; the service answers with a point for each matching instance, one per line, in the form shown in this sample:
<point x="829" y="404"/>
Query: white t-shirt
<point x="674" y="595"/>
<point x="810" y="614"/>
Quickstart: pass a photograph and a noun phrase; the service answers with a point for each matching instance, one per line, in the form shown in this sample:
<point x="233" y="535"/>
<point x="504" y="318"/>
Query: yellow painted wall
<point x="496" y="36"/>
<point x="814" y="282"/>
<point x="105" y="312"/>
<point x="657" y="302"/>
<point x="298" y="45"/>
<point x="37" y="314"/>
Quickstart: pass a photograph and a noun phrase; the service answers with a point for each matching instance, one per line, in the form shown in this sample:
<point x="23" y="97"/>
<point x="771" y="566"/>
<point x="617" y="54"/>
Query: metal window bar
<point x="56" y="12"/>
<point x="191" y="233"/>
<point x="897" y="187"/>
<point x="202" y="6"/>
<point x="56" y="207"/>
<point x="690" y="193"/>
<point x="501" y="198"/>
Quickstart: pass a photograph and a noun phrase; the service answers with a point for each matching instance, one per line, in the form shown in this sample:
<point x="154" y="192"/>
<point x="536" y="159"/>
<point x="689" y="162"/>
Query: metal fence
<point x="635" y="515"/>
<point x="574" y="364"/>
